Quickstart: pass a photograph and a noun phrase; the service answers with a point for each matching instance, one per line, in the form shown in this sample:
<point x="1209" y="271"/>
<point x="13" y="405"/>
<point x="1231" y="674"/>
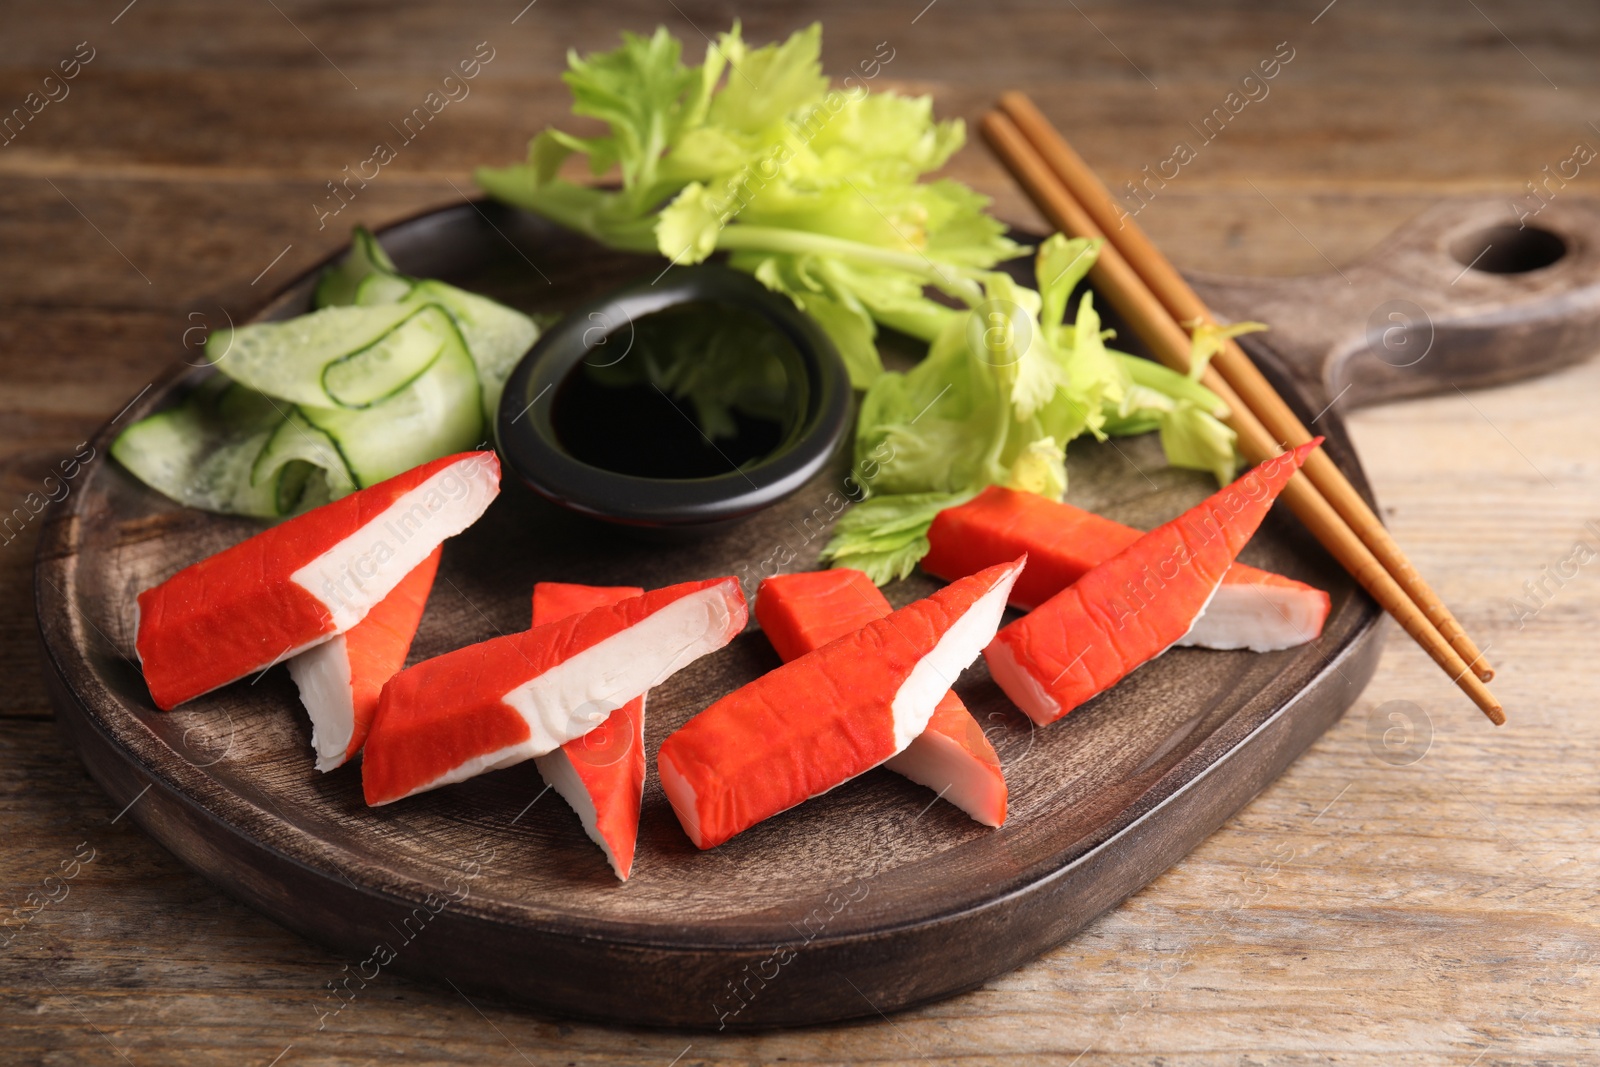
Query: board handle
<point x="1469" y="294"/>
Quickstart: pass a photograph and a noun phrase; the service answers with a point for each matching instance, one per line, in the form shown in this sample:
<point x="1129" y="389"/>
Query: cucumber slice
<point x="292" y="480"/>
<point x="202" y="452"/>
<point x="383" y="289"/>
<point x="497" y="337"/>
<point x="389" y="372"/>
<point x="437" y="414"/>
<point x="389" y="364"/>
<point x="341" y="282"/>
<point x="290" y="359"/>
<point x="297" y="442"/>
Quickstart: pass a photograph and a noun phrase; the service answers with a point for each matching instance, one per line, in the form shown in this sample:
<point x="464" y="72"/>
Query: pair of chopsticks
<point x="1148" y="291"/>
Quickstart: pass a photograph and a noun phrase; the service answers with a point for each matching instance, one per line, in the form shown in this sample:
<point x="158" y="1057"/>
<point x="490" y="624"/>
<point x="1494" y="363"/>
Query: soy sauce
<point x="698" y="390"/>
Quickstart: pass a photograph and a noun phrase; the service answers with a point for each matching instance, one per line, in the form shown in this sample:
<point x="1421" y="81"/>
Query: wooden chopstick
<point x="1235" y="367"/>
<point x="1124" y="289"/>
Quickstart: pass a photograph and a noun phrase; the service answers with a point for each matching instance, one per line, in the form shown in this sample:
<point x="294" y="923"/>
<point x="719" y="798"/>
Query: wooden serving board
<point x="871" y="898"/>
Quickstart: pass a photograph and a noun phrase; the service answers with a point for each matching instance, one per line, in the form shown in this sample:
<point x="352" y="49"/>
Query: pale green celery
<point x="958" y="282"/>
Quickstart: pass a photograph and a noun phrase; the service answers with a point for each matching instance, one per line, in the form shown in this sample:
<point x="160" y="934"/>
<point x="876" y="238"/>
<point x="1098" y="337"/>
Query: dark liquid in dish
<point x="694" y="391"/>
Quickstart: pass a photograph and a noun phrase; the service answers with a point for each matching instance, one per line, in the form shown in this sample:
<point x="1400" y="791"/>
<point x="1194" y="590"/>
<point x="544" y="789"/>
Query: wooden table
<point x="1425" y="897"/>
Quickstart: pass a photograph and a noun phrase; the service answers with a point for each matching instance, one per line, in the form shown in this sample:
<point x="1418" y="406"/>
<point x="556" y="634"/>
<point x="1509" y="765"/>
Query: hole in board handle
<point x="1508" y="249"/>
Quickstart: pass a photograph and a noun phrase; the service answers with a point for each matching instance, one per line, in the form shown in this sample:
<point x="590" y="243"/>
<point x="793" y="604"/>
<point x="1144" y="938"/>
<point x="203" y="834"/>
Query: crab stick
<point x="1135" y="605"/>
<point x="303" y="581"/>
<point x="601" y="774"/>
<point x="340" y="679"/>
<point x="820" y="720"/>
<point x="802" y="612"/>
<point x="1261" y="611"/>
<point x="1252" y="609"/>
<point x="522" y="695"/>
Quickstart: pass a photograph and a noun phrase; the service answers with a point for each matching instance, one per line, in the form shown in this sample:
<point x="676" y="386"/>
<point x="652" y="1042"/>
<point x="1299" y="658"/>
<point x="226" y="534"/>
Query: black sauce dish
<point x="534" y="409"/>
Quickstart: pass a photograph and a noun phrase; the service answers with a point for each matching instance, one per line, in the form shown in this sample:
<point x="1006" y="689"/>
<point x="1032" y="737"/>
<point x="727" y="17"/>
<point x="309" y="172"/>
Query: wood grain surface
<point x="1418" y="889"/>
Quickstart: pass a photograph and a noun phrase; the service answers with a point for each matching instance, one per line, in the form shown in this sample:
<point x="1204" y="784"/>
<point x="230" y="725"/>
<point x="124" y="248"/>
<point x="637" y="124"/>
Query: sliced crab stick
<point x="1137" y="604"/>
<point x="340" y="679"/>
<point x="802" y="612"/>
<point x="515" y="697"/>
<point x="1253" y="608"/>
<point x="601" y="774"/>
<point x="301" y="582"/>
<point x="832" y="714"/>
<point x="1261" y="611"/>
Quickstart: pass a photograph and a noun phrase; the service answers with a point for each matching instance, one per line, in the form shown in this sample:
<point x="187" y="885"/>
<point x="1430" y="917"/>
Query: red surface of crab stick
<point x="340" y="679"/>
<point x="802" y="612"/>
<point x="601" y="774"/>
<point x="1252" y="609"/>
<point x="303" y="581"/>
<point x="519" y="696"/>
<point x="832" y="714"/>
<point x="1137" y="604"/>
